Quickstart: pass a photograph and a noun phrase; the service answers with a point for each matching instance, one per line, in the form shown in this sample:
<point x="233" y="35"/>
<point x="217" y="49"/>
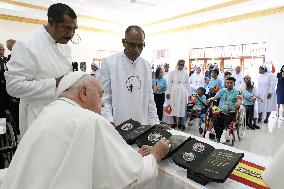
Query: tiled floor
<point x="264" y="141"/>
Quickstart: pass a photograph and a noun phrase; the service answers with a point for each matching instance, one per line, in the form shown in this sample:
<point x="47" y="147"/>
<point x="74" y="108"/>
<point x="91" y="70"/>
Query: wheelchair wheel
<point x="241" y="125"/>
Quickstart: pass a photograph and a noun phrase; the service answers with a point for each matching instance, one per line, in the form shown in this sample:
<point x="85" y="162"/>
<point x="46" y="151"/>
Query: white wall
<point x="268" y="29"/>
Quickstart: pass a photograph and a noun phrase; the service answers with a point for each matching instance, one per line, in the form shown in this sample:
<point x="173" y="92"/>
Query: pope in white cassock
<point x="127" y="84"/>
<point x="196" y="80"/>
<point x="70" y="146"/>
<point x="39" y="61"/>
<point x="178" y="91"/>
<point x="240" y="83"/>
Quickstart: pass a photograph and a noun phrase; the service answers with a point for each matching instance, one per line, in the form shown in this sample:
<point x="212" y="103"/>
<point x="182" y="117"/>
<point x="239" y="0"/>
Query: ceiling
<point x="139" y="11"/>
<point x="153" y="15"/>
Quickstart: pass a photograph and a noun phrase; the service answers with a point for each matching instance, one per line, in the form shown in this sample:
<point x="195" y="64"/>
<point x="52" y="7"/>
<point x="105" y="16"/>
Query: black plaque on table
<point x="204" y="163"/>
<point x="130" y="130"/>
<point x="152" y="136"/>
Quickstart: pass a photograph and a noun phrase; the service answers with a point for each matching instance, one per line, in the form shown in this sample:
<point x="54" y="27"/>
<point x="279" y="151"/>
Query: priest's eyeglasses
<point x="134" y="45"/>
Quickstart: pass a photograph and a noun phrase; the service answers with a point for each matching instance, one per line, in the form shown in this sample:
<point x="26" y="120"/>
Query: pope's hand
<point x="161" y="149"/>
<point x="145" y="150"/>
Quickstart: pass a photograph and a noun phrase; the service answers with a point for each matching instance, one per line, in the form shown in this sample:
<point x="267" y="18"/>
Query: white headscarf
<point x="263" y="66"/>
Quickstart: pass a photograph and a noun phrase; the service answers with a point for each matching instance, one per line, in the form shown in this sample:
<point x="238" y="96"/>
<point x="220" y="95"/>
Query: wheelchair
<point x="8" y="141"/>
<point x="235" y="128"/>
<point x="196" y="115"/>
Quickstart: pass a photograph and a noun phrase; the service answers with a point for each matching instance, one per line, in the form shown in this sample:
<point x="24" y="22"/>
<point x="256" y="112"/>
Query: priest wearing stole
<point x="39" y="61"/>
<point x="127" y="84"/>
<point x="70" y="145"/>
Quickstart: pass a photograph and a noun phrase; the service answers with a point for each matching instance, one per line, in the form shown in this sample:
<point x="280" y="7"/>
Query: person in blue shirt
<point x="159" y="85"/>
<point x="249" y="96"/>
<point x="198" y="108"/>
<point x="198" y="104"/>
<point x="206" y="86"/>
<point x="214" y="81"/>
<point x="228" y="104"/>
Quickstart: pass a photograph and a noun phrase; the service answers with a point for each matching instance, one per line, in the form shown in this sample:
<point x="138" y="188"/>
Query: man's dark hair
<point x="166" y="65"/>
<point x="216" y="71"/>
<point x="11" y="41"/>
<point x="202" y="89"/>
<point x="158" y="71"/>
<point x="181" y="61"/>
<point x="57" y="11"/>
<point x="133" y="28"/>
<point x="227" y="73"/>
<point x="263" y="68"/>
<point x="231" y="79"/>
<point x="281" y="69"/>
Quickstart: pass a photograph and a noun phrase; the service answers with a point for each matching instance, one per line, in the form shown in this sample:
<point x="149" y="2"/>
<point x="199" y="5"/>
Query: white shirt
<point x="196" y="81"/>
<point x="71" y="147"/>
<point x="128" y="90"/>
<point x="240" y="83"/>
<point x="35" y="63"/>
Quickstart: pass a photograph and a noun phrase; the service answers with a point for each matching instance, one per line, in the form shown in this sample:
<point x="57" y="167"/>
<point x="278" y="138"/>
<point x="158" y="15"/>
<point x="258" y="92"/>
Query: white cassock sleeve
<point x="170" y="82"/>
<point x="273" y="174"/>
<point x="20" y="77"/>
<point x="152" y="110"/>
<point x="107" y="96"/>
<point x="150" y="169"/>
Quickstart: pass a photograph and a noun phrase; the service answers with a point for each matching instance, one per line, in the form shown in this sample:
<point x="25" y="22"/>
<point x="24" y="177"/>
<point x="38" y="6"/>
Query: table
<point x="172" y="176"/>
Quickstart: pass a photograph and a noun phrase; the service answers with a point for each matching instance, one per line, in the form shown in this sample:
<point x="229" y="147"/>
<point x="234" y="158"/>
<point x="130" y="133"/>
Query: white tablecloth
<point x="172" y="176"/>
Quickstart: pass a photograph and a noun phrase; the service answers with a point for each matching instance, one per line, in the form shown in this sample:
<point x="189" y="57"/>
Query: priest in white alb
<point x="196" y="80"/>
<point x="70" y="145"/>
<point x="39" y="61"/>
<point x="240" y="83"/>
<point x="126" y="79"/>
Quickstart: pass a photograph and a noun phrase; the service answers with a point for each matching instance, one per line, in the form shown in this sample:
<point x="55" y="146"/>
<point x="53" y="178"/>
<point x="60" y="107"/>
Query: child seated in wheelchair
<point x="228" y="104"/>
<point x="197" y="112"/>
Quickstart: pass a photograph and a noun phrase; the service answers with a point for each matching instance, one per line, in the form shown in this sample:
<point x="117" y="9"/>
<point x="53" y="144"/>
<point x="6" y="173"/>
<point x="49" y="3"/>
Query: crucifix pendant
<point x="130" y="87"/>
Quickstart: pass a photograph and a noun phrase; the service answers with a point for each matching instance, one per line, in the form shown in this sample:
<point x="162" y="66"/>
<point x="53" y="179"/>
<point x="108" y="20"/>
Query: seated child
<point x="198" y="108"/>
<point x="227" y="105"/>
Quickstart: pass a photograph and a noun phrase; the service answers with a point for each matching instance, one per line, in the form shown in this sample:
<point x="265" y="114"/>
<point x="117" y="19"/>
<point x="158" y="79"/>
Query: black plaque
<point x="204" y="163"/>
<point x="151" y="137"/>
<point x="176" y="141"/>
<point x="218" y="165"/>
<point x="130" y="130"/>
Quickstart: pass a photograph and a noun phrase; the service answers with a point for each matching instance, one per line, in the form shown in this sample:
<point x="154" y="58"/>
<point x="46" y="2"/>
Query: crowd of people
<point x="66" y="118"/>
<point x="259" y="103"/>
